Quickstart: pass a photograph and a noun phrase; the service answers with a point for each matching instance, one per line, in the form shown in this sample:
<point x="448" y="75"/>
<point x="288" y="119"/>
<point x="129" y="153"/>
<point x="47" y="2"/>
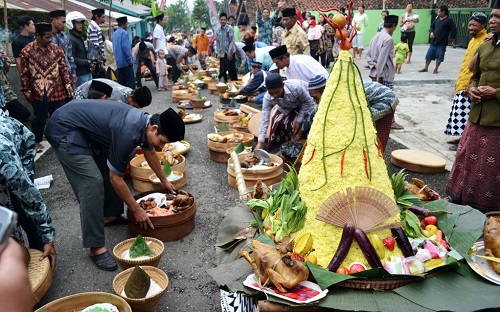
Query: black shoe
<point x="118" y="221"/>
<point x="105" y="261"/>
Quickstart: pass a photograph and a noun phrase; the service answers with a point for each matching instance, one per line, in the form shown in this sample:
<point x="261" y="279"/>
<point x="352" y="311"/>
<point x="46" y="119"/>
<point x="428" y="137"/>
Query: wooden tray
<point x="418" y="161"/>
<point x="196" y="118"/>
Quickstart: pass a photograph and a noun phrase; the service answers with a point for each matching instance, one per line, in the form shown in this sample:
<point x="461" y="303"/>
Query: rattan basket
<point x="221" y="89"/>
<point x="156" y="246"/>
<point x="381" y="284"/>
<point x="197" y="103"/>
<point x="78" y="302"/>
<point x="146" y="304"/>
<point x="40" y="275"/>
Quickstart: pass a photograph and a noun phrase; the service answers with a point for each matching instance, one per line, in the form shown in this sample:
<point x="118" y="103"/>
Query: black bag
<point x="314" y="45"/>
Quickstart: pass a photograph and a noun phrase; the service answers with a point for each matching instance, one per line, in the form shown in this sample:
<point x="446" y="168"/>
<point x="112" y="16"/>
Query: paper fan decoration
<point x="365" y="208"/>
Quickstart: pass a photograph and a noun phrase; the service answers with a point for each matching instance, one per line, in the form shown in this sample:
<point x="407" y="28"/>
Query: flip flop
<point x="105" y="261"/>
<point x="423" y="70"/>
<point x="39" y="148"/>
<point x="118" y="221"/>
<point x="454" y="141"/>
<point x="453" y="148"/>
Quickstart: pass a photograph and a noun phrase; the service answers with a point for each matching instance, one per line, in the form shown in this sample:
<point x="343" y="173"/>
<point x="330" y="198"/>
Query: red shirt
<point x="44" y="70"/>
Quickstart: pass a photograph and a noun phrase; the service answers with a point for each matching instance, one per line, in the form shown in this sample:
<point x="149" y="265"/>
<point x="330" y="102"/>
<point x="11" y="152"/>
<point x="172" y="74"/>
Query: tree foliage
<point x="200" y="16"/>
<point x="177" y="17"/>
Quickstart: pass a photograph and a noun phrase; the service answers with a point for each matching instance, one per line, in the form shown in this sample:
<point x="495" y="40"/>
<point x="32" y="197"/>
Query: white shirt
<point x="304" y="67"/>
<point x="161" y="40"/>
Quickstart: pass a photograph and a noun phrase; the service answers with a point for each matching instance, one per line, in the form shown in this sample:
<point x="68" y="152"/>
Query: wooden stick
<point x="240" y="181"/>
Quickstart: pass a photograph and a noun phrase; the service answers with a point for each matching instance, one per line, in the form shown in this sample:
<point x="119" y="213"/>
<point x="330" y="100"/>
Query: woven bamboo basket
<point x="181" y="95"/>
<point x="218" y="150"/>
<point x="40" y="275"/>
<point x="197" y="103"/>
<point x="167" y="228"/>
<point x="268" y="176"/>
<point x="381" y="284"/>
<point x="78" y="302"/>
<point x="178" y="184"/>
<point x="219" y="115"/>
<point x="235" y="126"/>
<point x="221" y="89"/>
<point x="156" y="246"/>
<point x="140" y="175"/>
<point x="194" y="67"/>
<point x="146" y="304"/>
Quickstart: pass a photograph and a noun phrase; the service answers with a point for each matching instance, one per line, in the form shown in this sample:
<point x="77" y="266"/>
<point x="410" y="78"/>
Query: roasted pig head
<point x="271" y="267"/>
<point x="492" y="241"/>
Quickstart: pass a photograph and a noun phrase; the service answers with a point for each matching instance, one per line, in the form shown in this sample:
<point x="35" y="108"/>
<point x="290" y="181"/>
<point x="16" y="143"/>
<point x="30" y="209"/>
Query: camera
<point x="8" y="220"/>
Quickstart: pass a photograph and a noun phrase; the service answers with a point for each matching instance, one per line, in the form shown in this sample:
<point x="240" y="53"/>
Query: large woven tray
<point x="40" y="275"/>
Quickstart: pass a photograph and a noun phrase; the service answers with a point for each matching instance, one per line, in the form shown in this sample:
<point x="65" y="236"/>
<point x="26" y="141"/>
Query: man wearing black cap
<point x="138" y="98"/>
<point x="292" y="102"/>
<point x="159" y="39"/>
<point x="176" y="54"/>
<point x="94" y="141"/>
<point x="443" y="33"/>
<point x="293" y="37"/>
<point x="45" y="80"/>
<point x="257" y="86"/>
<point x="123" y="54"/>
<point x="260" y="55"/>
<point x="301" y="66"/>
<point x="380" y="55"/>
<point x="142" y="56"/>
<point x="461" y="104"/>
<point x="58" y="20"/>
<point x="95" y="39"/>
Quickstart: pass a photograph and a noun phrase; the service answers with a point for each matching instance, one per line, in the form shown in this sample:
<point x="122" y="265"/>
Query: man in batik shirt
<point x="59" y="37"/>
<point x="266" y="23"/>
<point x="45" y="81"/>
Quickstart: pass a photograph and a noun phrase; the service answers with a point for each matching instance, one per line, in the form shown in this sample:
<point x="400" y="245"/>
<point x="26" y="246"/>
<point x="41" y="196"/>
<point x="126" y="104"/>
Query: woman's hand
<point x="474" y="94"/>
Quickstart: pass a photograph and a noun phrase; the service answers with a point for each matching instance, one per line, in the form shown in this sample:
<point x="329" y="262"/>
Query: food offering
<point x="221" y="87"/>
<point x="141" y="286"/>
<point x="219" y="143"/>
<point x="138" y="251"/>
<point x="159" y="205"/>
<point x="189" y="118"/>
<point x="186" y="105"/>
<point x="179" y="147"/>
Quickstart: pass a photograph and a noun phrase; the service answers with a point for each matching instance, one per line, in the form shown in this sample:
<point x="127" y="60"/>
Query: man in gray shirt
<point x="142" y="55"/>
<point x="94" y="141"/>
<point x="226" y="49"/>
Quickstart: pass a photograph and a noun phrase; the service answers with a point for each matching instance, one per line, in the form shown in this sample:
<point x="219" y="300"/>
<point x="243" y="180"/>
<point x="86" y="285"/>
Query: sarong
<point x="475" y="177"/>
<point x="281" y="129"/>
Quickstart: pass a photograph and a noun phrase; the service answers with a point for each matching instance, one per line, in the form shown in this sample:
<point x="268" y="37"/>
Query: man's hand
<point x="297" y="130"/>
<point x="141" y="218"/>
<point x="432" y="35"/>
<point x="259" y="145"/>
<point x="169" y="186"/>
<point x="487" y="92"/>
<point x="229" y="56"/>
<point x="451" y="41"/>
<point x="49" y="250"/>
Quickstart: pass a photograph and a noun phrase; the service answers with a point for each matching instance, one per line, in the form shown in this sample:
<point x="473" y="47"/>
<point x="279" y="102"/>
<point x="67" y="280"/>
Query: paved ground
<point x="425" y="102"/>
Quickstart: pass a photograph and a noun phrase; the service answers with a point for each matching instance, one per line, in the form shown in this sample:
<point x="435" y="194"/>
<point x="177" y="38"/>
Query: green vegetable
<point x="99" y="309"/>
<point x="140" y="248"/>
<point x="167" y="170"/>
<point x="404" y="198"/>
<point x="239" y="148"/>
<point x="412" y="224"/>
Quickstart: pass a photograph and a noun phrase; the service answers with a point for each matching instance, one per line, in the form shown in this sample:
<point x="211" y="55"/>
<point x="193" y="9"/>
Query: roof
<point x="71" y="5"/>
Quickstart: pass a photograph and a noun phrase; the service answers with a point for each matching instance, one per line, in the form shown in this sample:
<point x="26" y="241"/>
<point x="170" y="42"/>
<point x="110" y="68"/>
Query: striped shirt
<point x="225" y="41"/>
<point x="94" y="36"/>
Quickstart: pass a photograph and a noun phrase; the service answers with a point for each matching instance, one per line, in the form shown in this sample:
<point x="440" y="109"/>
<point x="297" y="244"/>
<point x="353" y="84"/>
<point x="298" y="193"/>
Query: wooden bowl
<point x="156" y="246"/>
<point x="221" y="89"/>
<point x="78" y="302"/>
<point x="144" y="304"/>
<point x="197" y="103"/>
<point x="179" y="183"/>
<point x="194" y="67"/>
<point x="232" y="93"/>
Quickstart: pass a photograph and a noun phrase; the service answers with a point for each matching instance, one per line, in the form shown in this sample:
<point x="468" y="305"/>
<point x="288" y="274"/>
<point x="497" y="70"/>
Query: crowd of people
<point x="70" y="84"/>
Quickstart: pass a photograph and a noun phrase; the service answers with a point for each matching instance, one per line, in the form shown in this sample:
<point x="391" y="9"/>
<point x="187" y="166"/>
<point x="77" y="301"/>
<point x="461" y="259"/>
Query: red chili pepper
<point x="365" y="158"/>
<point x="342" y="164"/>
<point x="327" y="10"/>
<point x="312" y="155"/>
<point x="380" y="150"/>
<point x="329" y="22"/>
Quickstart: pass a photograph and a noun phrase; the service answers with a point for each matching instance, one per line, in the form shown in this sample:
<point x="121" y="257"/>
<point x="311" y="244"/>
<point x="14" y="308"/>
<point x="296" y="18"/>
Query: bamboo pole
<point x="240" y="181"/>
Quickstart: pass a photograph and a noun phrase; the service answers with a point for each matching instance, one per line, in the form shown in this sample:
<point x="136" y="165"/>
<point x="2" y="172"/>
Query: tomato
<point x="422" y="224"/>
<point x="431" y="228"/>
<point x="432" y="220"/>
<point x="343" y="270"/>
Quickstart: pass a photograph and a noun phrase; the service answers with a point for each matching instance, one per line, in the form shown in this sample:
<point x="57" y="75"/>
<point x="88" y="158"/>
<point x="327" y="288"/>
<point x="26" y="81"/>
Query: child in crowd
<point x="401" y="49"/>
<point x="162" y="71"/>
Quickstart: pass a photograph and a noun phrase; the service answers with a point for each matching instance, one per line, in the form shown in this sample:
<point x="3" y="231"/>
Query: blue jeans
<point x="82" y="79"/>
<point x="259" y="98"/>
